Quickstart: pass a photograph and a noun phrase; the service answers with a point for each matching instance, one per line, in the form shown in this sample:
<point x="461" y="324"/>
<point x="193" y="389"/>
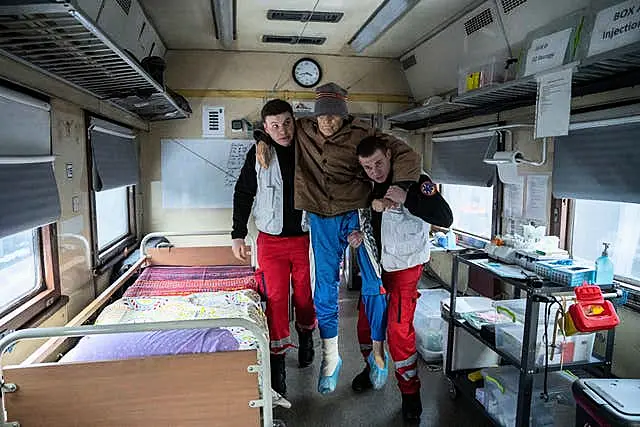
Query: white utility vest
<point x="404" y="238"/>
<point x="269" y="202"/>
<point x="268" y="205"/>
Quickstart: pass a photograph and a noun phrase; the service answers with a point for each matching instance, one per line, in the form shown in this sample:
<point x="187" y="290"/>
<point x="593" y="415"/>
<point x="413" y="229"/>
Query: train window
<point x="20" y="272"/>
<point x="595" y="222"/>
<point x="112" y="214"/>
<point x="472" y="208"/>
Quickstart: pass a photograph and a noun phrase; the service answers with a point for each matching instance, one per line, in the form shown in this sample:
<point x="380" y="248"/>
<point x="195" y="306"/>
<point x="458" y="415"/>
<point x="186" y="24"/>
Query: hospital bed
<point x="186" y="345"/>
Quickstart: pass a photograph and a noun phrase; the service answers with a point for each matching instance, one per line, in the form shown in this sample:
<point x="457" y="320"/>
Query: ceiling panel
<point x="183" y="24"/>
<point x="252" y="24"/>
<point x="421" y="20"/>
<point x="189" y="24"/>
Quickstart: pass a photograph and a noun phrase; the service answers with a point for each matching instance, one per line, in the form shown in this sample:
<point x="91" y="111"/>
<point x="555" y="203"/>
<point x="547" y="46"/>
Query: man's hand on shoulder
<point x="263" y="154"/>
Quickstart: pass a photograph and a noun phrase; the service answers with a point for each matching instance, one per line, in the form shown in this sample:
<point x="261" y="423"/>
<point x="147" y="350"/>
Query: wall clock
<point x="307" y="72"/>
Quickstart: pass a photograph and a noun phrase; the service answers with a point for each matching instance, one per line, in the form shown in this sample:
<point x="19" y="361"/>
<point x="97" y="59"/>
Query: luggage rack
<point x="60" y="41"/>
<point x="607" y="71"/>
<point x="536" y="291"/>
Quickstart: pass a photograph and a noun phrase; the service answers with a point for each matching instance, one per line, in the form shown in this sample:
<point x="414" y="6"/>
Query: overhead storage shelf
<point x="610" y="70"/>
<point x="59" y="40"/>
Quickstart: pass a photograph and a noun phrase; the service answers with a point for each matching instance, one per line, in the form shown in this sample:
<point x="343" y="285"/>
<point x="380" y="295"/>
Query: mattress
<point x="172" y="281"/>
<point x="207" y="305"/>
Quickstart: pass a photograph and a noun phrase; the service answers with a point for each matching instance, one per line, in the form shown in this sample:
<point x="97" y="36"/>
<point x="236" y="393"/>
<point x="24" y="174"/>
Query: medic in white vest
<point x="283" y="241"/>
<point x="401" y="224"/>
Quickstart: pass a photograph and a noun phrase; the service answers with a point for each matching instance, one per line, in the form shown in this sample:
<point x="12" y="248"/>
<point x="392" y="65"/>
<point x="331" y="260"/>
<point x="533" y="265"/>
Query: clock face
<point x="307" y="72"/>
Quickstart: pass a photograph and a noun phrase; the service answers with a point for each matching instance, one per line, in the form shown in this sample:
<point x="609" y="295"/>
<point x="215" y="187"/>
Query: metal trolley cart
<point x="537" y="292"/>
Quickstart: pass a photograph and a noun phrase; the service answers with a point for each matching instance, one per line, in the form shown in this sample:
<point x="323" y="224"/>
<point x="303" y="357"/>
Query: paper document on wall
<point x="514" y="198"/>
<point x="548" y="52"/>
<point x="553" y="105"/>
<point x="537" y="190"/>
<point x="201" y="173"/>
<point x="615" y="26"/>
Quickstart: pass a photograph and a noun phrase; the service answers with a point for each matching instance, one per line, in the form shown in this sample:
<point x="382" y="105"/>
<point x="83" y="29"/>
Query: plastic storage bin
<point x="477" y="76"/>
<point x="517" y="308"/>
<point x="554" y="44"/>
<point x="567" y="272"/>
<point x="468" y="352"/>
<point x="429" y="325"/>
<point x="501" y="397"/>
<point x="575" y="348"/>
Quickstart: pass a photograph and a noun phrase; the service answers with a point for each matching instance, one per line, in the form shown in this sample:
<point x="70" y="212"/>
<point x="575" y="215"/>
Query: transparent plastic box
<point x="571" y="349"/>
<point x="501" y="397"/>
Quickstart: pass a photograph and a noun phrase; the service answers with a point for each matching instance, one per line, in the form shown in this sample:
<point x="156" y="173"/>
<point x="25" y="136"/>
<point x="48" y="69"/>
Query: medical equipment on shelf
<point x="592" y="312"/>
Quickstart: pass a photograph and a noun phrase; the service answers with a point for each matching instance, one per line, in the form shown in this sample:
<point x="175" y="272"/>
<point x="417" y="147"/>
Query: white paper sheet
<point x="548" y="52"/>
<point x="615" y="26"/>
<point x="514" y="198"/>
<point x="553" y="106"/>
<point x="537" y="189"/>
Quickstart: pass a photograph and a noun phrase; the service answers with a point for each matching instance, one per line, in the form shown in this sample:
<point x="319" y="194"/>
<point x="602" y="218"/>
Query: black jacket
<point x="423" y="201"/>
<point x="247" y="187"/>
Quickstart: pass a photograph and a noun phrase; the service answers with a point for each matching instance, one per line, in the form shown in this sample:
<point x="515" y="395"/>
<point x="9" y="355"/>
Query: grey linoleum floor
<point x="373" y="408"/>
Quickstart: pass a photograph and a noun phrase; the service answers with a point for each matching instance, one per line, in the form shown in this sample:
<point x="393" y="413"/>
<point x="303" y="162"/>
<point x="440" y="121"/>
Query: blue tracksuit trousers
<point x="329" y="241"/>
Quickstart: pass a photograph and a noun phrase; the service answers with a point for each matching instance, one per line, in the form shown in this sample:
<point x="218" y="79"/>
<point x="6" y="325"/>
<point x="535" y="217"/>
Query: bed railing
<point x="262" y="368"/>
<point x="149" y="236"/>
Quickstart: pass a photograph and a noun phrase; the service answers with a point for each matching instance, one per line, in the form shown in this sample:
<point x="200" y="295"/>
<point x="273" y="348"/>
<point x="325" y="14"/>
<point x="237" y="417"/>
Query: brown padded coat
<point x="329" y="180"/>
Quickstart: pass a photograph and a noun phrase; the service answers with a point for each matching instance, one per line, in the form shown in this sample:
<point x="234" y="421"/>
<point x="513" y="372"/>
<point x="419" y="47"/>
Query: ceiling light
<point x="381" y="20"/>
<point x="224" y="19"/>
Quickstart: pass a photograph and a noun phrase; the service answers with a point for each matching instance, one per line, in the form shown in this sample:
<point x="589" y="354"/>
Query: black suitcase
<point x="607" y="402"/>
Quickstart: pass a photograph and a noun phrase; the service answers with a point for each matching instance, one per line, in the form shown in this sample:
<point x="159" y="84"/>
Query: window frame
<point x="25" y="310"/>
<point x="495" y="214"/>
<point x="117" y="250"/>
<point x="631" y="284"/>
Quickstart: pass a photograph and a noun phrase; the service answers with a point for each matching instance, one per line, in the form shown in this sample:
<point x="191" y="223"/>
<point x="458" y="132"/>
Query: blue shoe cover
<point x="378" y="376"/>
<point x="328" y="384"/>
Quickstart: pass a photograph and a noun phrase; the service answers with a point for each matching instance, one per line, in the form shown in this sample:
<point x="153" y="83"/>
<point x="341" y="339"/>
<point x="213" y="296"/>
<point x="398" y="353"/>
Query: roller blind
<point x="115" y="161"/>
<point x="28" y="196"/>
<point x="460" y="160"/>
<point x="598" y="162"/>
<point x="28" y="191"/>
<point x="25" y="126"/>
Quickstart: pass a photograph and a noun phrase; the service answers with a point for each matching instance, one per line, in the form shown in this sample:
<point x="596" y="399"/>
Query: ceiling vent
<point x="294" y="40"/>
<point x="125" y="5"/>
<point x="409" y="62"/>
<point x="478" y="22"/>
<point x="509" y="5"/>
<point x="304" y="16"/>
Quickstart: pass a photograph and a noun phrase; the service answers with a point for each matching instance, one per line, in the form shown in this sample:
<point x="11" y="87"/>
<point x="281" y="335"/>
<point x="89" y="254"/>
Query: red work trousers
<point x="284" y="261"/>
<point x="402" y="289"/>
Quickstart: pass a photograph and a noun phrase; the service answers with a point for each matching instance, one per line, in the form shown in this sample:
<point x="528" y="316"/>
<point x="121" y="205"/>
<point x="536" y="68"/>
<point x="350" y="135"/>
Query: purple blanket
<point x="95" y="348"/>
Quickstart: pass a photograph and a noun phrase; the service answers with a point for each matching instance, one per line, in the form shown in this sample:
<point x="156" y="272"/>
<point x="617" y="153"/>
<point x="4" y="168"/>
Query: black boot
<point x="305" y="348"/>
<point x="278" y="374"/>
<point x="411" y="408"/>
<point x="361" y="382"/>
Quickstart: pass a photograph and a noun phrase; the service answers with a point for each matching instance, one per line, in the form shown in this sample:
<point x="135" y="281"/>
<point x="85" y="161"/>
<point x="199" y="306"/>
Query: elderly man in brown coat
<point x="330" y="187"/>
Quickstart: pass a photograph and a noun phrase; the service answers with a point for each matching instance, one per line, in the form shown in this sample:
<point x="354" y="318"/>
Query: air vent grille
<point x="409" y="62"/>
<point x="212" y="121"/>
<point x="294" y="40"/>
<point x="304" y="16"/>
<point x="509" y="5"/>
<point x="478" y="22"/>
<point x="125" y="5"/>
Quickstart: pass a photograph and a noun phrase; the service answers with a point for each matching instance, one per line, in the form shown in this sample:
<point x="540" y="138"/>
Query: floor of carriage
<point x="373" y="408"/>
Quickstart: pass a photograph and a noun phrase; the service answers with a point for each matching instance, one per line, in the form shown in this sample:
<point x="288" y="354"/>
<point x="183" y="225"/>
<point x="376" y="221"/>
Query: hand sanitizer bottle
<point x="451" y="239"/>
<point x="604" y="268"/>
